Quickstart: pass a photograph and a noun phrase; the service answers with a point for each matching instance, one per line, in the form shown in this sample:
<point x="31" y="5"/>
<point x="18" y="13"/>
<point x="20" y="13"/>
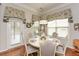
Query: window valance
<point x="35" y="17"/>
<point x="60" y="15"/>
<point x="11" y="12"/>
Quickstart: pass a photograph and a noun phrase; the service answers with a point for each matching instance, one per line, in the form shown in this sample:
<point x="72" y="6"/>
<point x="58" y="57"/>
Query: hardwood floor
<point x="20" y="51"/>
<point x="17" y="51"/>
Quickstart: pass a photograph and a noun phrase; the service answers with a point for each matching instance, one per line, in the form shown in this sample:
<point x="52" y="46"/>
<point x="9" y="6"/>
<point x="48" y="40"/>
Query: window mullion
<point x="56" y="25"/>
<point x="14" y="30"/>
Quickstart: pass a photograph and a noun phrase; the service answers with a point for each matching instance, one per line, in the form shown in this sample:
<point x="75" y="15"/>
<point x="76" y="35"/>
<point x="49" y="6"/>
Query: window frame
<point x="36" y="28"/>
<point x="14" y="33"/>
<point x="56" y="27"/>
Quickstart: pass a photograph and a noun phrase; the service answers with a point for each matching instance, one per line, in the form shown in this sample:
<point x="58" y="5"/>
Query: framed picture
<point x="70" y="20"/>
<point x="76" y="26"/>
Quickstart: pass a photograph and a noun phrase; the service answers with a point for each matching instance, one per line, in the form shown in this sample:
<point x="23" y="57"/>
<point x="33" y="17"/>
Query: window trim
<point x="56" y="27"/>
<point x="15" y="43"/>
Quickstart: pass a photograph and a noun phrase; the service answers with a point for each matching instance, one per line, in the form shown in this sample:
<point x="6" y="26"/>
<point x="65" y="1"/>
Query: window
<point x="15" y="31"/>
<point x="60" y="26"/>
<point x="35" y="29"/>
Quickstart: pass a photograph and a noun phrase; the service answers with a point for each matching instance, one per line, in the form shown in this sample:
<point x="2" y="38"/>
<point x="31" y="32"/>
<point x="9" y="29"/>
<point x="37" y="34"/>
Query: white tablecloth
<point x="36" y="41"/>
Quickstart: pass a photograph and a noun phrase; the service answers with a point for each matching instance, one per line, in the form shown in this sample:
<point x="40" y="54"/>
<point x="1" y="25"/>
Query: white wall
<point x="4" y="33"/>
<point x="72" y="33"/>
<point x="0" y="25"/>
<point x="75" y="13"/>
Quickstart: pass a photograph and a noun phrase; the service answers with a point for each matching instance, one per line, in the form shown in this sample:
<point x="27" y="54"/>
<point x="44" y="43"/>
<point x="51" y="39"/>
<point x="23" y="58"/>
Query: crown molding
<point x="56" y="8"/>
<point x="26" y="7"/>
<point x="37" y="12"/>
<point x="45" y="12"/>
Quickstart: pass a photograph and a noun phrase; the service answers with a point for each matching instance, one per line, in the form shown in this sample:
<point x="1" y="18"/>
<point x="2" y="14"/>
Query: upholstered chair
<point x="47" y="48"/>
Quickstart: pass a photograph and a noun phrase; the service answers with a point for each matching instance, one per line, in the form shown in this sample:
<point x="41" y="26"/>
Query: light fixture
<point x="43" y="21"/>
<point x="41" y="17"/>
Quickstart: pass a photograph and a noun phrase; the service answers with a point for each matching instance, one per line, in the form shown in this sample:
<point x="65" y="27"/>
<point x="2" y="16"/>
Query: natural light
<point x="60" y="26"/>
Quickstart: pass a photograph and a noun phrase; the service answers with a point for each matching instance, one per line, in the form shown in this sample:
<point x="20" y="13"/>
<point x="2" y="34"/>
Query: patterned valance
<point x="60" y="15"/>
<point x="11" y="12"/>
<point x="38" y="17"/>
<point x="35" y="17"/>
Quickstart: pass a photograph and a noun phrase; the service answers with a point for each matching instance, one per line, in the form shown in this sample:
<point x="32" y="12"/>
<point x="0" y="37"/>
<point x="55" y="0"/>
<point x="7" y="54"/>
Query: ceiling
<point x="44" y="6"/>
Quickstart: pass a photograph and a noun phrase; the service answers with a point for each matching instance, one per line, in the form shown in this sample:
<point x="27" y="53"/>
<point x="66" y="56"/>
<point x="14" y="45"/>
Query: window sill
<point x="15" y="44"/>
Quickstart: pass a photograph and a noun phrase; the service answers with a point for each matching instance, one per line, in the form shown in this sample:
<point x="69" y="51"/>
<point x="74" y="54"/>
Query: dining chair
<point x="29" y="50"/>
<point x="47" y="48"/>
<point x="61" y="48"/>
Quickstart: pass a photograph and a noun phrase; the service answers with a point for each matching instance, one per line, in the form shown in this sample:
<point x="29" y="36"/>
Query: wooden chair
<point x="73" y="51"/>
<point x="76" y="44"/>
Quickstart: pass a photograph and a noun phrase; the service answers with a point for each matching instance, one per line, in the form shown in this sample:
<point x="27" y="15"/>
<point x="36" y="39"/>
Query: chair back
<point x="47" y="48"/>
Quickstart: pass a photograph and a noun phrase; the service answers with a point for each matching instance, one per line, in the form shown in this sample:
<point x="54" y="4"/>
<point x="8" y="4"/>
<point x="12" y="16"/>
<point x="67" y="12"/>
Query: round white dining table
<point x="36" y="41"/>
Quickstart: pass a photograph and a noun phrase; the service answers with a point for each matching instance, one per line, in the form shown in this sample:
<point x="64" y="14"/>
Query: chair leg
<point x="38" y="53"/>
